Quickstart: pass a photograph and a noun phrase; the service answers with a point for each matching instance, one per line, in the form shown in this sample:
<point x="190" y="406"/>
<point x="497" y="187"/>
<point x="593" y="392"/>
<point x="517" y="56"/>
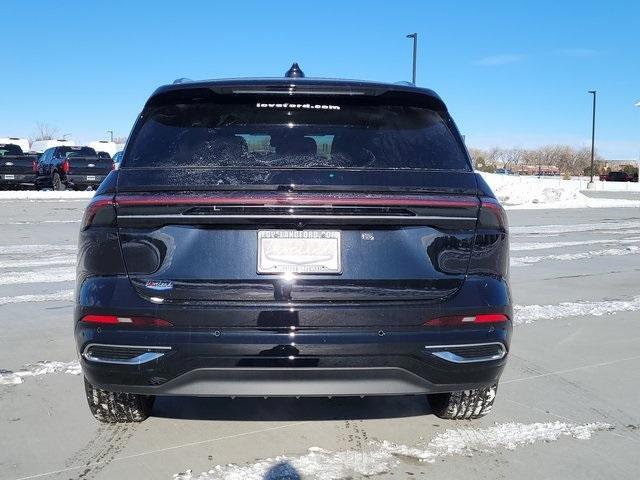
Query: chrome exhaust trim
<point x="445" y="352"/>
<point x="152" y="353"/>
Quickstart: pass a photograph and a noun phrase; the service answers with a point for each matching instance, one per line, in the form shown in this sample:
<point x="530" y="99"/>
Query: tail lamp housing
<point x="462" y="320"/>
<point x="134" y="321"/>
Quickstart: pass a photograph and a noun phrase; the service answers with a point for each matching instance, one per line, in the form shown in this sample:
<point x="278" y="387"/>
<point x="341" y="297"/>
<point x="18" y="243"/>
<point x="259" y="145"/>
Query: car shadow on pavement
<point x="290" y="409"/>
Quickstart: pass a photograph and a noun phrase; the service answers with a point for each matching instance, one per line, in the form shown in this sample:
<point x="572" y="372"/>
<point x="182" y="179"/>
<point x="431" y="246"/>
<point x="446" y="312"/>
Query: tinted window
<point x="10" y="149"/>
<point x="316" y="135"/>
<point x="66" y="152"/>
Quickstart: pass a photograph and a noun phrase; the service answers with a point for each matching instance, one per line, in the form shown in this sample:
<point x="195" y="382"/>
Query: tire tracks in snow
<point x="101" y="450"/>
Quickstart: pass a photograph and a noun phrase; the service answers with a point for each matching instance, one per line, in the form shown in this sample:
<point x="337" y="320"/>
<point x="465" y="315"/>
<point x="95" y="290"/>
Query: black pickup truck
<point x="76" y="168"/>
<point x="16" y="168"/>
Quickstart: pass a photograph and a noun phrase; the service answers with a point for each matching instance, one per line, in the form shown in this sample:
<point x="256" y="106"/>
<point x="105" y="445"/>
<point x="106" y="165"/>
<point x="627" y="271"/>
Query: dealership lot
<point x="574" y="360"/>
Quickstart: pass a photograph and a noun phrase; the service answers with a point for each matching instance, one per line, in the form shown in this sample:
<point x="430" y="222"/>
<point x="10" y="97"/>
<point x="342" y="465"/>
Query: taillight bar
<point x="461" y="320"/>
<point x="135" y="321"/>
<point x="440" y="201"/>
<point x="492" y="215"/>
<point x="99" y="205"/>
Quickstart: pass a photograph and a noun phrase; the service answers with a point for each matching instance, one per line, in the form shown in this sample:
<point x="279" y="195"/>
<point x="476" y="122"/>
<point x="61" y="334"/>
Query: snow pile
<point x="45" y="195"/>
<point x="531" y="313"/>
<point x="381" y="457"/>
<point x="520" y="191"/>
<point x="607" y="252"/>
<point x="44" y="297"/>
<point x="7" y="377"/>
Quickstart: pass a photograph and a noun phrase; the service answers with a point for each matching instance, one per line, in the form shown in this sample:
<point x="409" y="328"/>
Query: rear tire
<point x="464" y="405"/>
<point x="117" y="407"/>
<point x="57" y="182"/>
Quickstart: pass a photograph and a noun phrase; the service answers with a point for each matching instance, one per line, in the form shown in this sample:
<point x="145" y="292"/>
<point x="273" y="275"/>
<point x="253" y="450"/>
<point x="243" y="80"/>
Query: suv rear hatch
<point x="248" y="197"/>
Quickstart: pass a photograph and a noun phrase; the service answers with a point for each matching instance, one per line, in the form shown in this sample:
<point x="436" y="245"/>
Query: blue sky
<point x="513" y="73"/>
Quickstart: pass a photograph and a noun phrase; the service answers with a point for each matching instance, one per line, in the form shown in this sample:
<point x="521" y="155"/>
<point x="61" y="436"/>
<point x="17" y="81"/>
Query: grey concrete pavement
<point x="572" y="369"/>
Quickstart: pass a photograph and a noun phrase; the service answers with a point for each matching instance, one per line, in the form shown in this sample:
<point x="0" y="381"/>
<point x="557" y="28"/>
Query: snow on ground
<point x="45" y="297"/>
<point x="607" y="252"/>
<point x="599" y="227"/>
<point x="381" y="457"/>
<point x="45" y="195"/>
<point x="520" y="191"/>
<point x="45" y="367"/>
<point x="18" y="249"/>
<point x="530" y="313"/>
<point x="38" y="262"/>
<point x="518" y="247"/>
<point x="44" y="275"/>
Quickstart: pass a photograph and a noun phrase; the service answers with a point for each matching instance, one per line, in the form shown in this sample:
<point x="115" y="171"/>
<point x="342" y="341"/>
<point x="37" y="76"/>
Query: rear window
<point x="318" y="134"/>
<point x="10" y="149"/>
<point x="68" y="152"/>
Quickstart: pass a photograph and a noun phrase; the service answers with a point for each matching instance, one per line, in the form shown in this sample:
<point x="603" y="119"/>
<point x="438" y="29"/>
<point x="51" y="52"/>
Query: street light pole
<point x="415" y="54"/>
<point x="637" y="104"/>
<point x="593" y="132"/>
<point x="111" y="132"/>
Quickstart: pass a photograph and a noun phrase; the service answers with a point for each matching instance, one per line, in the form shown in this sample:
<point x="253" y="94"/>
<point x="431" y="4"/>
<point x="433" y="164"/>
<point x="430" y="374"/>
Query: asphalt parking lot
<point x="568" y="405"/>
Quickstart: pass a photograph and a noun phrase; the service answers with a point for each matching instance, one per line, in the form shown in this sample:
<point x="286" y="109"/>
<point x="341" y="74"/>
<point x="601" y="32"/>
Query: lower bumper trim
<point x="286" y="382"/>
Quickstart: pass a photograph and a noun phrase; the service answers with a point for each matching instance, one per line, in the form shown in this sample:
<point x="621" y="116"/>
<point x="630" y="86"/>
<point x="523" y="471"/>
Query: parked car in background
<point x="17" y="169"/>
<point x="39" y="146"/>
<point x="211" y="266"/>
<point x="504" y="171"/>
<point x="72" y="167"/>
<point x="23" y="143"/>
<point x="618" y="177"/>
<point x="117" y="158"/>
<point x="104" y="146"/>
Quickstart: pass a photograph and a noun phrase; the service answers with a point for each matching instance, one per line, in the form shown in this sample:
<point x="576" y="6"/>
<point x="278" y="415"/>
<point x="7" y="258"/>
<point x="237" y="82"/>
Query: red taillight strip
<point x="491" y="204"/>
<point x="300" y="199"/>
<point x="122" y="320"/>
<point x="460" y="320"/>
<point x="93" y="208"/>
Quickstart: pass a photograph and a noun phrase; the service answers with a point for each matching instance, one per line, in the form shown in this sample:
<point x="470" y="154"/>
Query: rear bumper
<point x="16" y="179"/>
<point x="300" y="350"/>
<point x="301" y="363"/>
<point x="81" y="180"/>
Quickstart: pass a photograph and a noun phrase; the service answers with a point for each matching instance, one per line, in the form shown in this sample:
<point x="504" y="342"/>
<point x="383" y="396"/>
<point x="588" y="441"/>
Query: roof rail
<point x="182" y="80"/>
<point x="404" y="82"/>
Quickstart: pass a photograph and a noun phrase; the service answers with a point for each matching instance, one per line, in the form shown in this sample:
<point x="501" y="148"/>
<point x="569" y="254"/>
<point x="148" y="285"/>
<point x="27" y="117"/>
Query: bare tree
<point x="120" y="139"/>
<point x="568" y="160"/>
<point x="44" y="131"/>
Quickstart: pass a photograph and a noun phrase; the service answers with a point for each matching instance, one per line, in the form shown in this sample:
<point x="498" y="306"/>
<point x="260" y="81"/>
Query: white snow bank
<point x="520" y="191"/>
<point x="530" y="313"/>
<point x="7" y="377"/>
<point x="45" y="297"/>
<point x="607" y="252"/>
<point x="381" y="457"/>
<point x="45" y="195"/>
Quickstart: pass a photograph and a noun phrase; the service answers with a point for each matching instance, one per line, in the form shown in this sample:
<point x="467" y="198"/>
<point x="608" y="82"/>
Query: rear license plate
<point x="9" y="177"/>
<point x="293" y="251"/>
<point x="91" y="177"/>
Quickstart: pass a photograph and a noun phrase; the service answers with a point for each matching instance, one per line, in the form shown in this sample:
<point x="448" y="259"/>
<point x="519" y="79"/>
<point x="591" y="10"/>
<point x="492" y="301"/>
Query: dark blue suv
<point x="293" y="237"/>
